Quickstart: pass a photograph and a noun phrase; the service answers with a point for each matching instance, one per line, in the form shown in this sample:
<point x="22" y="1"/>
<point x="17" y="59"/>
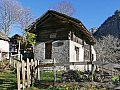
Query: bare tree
<point x="107" y="48"/>
<point x="12" y="13"/>
<point x="64" y="7"/>
<point x="8" y="14"/>
<point x="25" y="19"/>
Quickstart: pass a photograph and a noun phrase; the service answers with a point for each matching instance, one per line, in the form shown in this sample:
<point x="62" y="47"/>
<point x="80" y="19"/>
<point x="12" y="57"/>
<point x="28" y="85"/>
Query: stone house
<point x="64" y="38"/>
<point x="4" y="46"/>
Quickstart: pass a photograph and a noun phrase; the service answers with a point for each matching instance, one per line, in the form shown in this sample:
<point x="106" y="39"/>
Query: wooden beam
<point x="62" y="64"/>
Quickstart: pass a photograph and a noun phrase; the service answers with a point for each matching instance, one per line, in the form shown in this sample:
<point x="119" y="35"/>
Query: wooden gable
<point x="52" y="29"/>
<point x="56" y="26"/>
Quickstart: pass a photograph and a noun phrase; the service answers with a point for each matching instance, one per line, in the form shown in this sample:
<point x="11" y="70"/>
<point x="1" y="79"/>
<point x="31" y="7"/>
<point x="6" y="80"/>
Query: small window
<point x="53" y="35"/>
<point x="92" y="57"/>
<point x="86" y="54"/>
<point x="48" y="50"/>
<point x="77" y="53"/>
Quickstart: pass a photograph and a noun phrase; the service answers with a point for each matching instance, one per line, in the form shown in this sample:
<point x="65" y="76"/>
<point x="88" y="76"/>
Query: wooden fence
<point x="28" y="72"/>
<point x="31" y="70"/>
<point x="14" y="59"/>
<point x="110" y="71"/>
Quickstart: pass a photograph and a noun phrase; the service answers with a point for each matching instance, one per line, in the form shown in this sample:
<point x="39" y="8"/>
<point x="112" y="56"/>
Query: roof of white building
<point x="3" y="36"/>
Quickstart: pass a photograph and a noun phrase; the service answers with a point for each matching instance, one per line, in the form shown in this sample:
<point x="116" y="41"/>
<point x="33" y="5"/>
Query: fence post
<point x="35" y="69"/>
<point x="21" y="57"/>
<point x="10" y="59"/>
<point x="14" y="63"/>
<point x="18" y="75"/>
<point x="38" y="72"/>
<point x="54" y="70"/>
<point x="32" y="64"/>
<point x="28" y="73"/>
<point x="23" y="74"/>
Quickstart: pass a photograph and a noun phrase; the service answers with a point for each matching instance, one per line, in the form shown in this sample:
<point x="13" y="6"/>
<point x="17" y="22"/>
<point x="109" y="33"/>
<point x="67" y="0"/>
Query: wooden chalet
<point x="14" y="43"/>
<point x="18" y="46"/>
<point x="64" y="38"/>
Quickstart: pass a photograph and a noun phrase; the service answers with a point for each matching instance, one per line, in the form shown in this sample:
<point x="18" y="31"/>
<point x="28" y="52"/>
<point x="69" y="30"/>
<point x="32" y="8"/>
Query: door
<point x="48" y="50"/>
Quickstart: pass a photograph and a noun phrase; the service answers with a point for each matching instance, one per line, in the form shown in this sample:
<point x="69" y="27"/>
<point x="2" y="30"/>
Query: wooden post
<point x="54" y="70"/>
<point x="32" y="63"/>
<point x="10" y="59"/>
<point x="19" y="50"/>
<point x="23" y="74"/>
<point x="18" y="75"/>
<point x="14" y="63"/>
<point x="1" y="57"/>
<point x="28" y="73"/>
<point x="38" y="72"/>
<point x="21" y="57"/>
<point x="35" y="69"/>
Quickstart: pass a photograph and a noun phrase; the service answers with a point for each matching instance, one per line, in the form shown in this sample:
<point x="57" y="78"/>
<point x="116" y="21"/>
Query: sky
<point x="92" y="13"/>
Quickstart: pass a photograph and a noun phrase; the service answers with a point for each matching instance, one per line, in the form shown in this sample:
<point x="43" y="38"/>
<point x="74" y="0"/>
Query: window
<point x="92" y="57"/>
<point x="48" y="50"/>
<point x="86" y="54"/>
<point x="53" y="35"/>
<point x="77" y="53"/>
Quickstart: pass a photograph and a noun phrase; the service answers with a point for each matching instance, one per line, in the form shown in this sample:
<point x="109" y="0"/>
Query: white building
<point x="64" y="38"/>
<point x="4" y="46"/>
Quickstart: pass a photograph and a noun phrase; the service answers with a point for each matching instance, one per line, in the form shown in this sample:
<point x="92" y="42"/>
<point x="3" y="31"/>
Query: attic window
<point x="53" y="35"/>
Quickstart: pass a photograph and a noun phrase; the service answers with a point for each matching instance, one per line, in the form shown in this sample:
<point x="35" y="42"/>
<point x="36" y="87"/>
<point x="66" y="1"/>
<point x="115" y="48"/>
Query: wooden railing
<point x="14" y="59"/>
<point x="32" y="71"/>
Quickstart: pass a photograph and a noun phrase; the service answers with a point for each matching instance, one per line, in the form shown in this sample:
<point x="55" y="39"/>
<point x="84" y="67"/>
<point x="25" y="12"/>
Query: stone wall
<point x="60" y="51"/>
<point x="63" y="51"/>
<point x="39" y="51"/>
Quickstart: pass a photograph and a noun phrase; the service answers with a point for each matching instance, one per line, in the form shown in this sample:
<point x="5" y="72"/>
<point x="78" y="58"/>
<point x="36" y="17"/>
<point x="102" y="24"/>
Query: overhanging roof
<point x="71" y="20"/>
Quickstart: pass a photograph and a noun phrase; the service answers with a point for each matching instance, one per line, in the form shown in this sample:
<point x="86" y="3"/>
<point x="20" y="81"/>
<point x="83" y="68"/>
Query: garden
<point x="65" y="80"/>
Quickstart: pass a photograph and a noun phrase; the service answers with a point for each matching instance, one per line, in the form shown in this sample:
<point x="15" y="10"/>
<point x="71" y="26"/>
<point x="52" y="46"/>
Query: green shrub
<point x="8" y="80"/>
<point x="115" y="78"/>
<point x="32" y="88"/>
<point x="63" y="87"/>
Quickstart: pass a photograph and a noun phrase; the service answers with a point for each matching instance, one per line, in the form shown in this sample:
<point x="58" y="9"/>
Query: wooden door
<point x="48" y="50"/>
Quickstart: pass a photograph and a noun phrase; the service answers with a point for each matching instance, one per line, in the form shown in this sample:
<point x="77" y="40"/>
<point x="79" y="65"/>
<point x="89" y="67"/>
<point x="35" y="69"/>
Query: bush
<point x="56" y="87"/>
<point x="115" y="78"/>
<point x="63" y="87"/>
<point x="72" y="75"/>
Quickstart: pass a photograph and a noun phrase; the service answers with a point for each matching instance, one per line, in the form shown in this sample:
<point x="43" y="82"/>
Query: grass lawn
<point x="50" y="76"/>
<point x="8" y="80"/>
<point x="47" y="79"/>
